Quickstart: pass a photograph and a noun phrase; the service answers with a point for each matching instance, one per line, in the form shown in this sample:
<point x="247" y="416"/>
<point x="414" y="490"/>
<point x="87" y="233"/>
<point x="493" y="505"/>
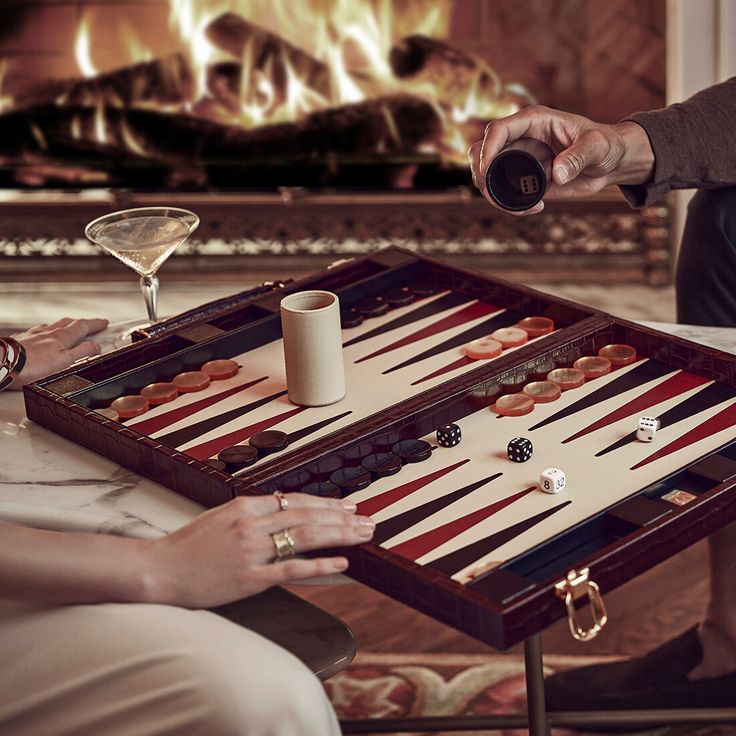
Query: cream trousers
<point x="121" y="669"/>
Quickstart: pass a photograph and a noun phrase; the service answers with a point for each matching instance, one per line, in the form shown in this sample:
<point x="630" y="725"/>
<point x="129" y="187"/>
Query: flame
<point x="6" y="101"/>
<point x="76" y="128"/>
<point x="352" y="39"/>
<point x="100" y="124"/>
<point x="130" y="140"/>
<point x="189" y="18"/>
<point x="297" y="58"/>
<point x="137" y="51"/>
<point x="82" y="48"/>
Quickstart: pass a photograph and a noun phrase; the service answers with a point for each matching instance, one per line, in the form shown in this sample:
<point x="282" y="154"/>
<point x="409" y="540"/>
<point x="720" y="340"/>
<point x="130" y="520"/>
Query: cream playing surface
<point x="369" y="390"/>
<point x="593" y="483"/>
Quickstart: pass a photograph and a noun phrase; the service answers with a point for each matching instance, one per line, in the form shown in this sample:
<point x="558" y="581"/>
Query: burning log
<point x="454" y="74"/>
<point x="224" y="83"/>
<point x="52" y="173"/>
<point x="168" y="80"/>
<point x="452" y="71"/>
<point x="387" y="125"/>
<point x="71" y="132"/>
<point x="165" y="80"/>
<point x="267" y="53"/>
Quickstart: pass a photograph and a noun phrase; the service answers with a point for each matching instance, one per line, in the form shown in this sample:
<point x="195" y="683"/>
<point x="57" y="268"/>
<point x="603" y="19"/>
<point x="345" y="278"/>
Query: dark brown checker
<point x="238" y="456"/>
<point x="412" y="451"/>
<point x="539" y="371"/>
<point x="514" y="383"/>
<point x="381" y="464"/>
<point x="373" y="307"/>
<point x="322" y="488"/>
<point x="350" y="480"/>
<point x="269" y="440"/>
<point x="401" y="296"/>
<point x="350" y="318"/>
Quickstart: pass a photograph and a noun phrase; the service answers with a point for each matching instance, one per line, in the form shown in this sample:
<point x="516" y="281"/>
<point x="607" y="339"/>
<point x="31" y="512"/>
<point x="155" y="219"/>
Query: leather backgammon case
<point x="464" y="533"/>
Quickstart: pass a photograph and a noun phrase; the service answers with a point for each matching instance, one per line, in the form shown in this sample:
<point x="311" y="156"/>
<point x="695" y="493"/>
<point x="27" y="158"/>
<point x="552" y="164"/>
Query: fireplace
<point x="313" y="130"/>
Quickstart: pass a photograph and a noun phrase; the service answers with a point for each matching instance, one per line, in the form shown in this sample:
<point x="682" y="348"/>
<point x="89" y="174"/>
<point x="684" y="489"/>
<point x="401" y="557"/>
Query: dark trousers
<point x="706" y="267"/>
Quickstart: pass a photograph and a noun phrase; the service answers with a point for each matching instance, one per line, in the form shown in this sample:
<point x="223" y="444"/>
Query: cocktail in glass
<point x="143" y="238"/>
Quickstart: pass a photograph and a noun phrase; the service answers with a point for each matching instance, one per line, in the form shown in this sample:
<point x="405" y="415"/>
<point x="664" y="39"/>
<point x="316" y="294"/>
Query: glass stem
<point x="149" y="287"/>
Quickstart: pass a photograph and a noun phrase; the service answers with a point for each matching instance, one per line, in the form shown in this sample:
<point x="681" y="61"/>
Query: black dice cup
<point x="519" y="176"/>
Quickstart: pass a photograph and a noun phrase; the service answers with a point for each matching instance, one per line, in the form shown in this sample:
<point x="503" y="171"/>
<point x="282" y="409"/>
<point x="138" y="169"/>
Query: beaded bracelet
<point x="13" y="362"/>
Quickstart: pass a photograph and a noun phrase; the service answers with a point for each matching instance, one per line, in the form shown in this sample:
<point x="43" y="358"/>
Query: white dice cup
<point x="315" y="371"/>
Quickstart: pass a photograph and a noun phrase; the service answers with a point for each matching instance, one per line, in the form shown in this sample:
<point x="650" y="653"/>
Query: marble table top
<point x="53" y="483"/>
<point x="50" y="482"/>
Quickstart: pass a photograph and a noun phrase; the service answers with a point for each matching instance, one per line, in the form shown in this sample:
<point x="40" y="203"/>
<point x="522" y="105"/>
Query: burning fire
<point x="252" y="63"/>
<point x="82" y="50"/>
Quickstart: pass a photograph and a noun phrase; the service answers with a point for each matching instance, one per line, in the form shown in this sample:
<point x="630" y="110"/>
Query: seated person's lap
<point x="109" y="668"/>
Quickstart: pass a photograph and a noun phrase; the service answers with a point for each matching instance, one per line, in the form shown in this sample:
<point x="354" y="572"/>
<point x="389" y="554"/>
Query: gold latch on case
<point x="573" y="587"/>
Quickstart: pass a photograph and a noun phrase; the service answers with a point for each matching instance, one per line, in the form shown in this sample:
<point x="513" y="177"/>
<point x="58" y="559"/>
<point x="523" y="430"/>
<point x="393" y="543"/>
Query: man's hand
<point x="588" y="156"/>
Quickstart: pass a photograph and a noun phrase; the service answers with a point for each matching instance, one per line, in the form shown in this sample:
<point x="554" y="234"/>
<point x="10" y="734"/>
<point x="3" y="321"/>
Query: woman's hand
<point x="51" y="348"/>
<point x="228" y="552"/>
<point x="588" y="156"/>
<point x="224" y="554"/>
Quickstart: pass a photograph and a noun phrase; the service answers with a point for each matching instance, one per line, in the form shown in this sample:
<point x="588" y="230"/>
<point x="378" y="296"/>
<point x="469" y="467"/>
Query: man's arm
<point x="687" y="145"/>
<point x="694" y="143"/>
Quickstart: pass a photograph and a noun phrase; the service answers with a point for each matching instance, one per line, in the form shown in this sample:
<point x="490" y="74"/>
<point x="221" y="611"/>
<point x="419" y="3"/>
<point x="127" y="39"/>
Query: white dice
<point x="552" y="480"/>
<point x="529" y="184"/>
<point x="647" y="429"/>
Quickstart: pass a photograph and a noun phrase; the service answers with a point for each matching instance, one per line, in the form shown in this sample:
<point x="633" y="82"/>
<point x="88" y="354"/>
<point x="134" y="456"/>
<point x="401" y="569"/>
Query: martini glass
<point x="143" y="238"/>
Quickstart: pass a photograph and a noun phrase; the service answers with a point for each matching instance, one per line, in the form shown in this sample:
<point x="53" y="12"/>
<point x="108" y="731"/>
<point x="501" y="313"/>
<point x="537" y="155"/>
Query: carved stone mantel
<point x="293" y="230"/>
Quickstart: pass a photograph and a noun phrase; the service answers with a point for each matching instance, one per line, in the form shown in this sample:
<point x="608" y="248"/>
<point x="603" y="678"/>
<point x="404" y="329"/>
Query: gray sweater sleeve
<point x="694" y="144"/>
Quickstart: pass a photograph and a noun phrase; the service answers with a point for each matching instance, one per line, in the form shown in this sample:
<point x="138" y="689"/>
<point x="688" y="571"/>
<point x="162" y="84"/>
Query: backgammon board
<point x="464" y="533"/>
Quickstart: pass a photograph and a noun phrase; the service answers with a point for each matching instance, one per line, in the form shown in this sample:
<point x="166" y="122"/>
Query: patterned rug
<point x="407" y="685"/>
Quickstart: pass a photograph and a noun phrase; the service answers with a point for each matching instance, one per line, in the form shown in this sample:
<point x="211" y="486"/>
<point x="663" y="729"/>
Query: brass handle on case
<point x="574" y="586"/>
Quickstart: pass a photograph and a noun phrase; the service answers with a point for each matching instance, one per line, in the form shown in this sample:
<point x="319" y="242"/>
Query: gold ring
<point x="284" y="544"/>
<point x="283" y="501"/>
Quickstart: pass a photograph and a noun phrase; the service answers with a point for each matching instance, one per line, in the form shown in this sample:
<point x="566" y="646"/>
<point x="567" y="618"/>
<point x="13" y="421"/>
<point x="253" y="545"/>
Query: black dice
<point x="519" y="449"/>
<point x="449" y="435"/>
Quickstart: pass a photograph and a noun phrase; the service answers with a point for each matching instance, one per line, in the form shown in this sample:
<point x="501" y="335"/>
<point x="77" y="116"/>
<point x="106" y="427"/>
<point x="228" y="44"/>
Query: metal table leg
<point x="538" y="723"/>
